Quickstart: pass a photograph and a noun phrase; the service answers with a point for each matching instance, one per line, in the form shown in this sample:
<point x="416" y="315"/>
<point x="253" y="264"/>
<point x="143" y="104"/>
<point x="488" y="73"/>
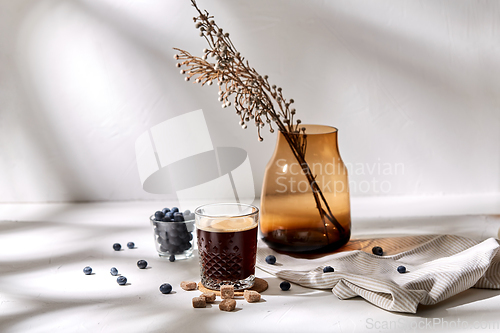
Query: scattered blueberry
<point x="117" y="247"/>
<point x="142" y="264"/>
<point x="172" y="258"/>
<point x="87" y="270"/>
<point x="174" y="210"/>
<point x="130" y="245"/>
<point x="377" y="250"/>
<point x="159" y="215"/>
<point x="401" y="269"/>
<point x="328" y="269"/>
<point x="113" y="271"/>
<point x="165" y="210"/>
<point x="270" y="259"/>
<point x="166" y="288"/>
<point x="121" y="280"/>
<point x="285" y="285"/>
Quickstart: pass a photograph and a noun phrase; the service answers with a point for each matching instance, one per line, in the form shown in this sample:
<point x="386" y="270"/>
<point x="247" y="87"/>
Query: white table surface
<point x="44" y="247"/>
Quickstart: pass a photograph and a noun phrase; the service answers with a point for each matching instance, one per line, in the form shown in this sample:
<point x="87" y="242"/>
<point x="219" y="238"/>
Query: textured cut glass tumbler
<point x="227" y="244"/>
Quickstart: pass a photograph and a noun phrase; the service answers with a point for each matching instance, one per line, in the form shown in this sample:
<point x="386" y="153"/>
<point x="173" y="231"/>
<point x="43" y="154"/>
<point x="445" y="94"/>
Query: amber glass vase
<point x="305" y="194"/>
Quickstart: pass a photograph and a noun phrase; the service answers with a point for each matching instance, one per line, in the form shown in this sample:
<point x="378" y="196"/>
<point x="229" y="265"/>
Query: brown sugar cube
<point x="227" y="304"/>
<point x="251" y="296"/>
<point x="199" y="302"/>
<point x="226" y="291"/>
<point x="209" y="297"/>
<point x="188" y="285"/>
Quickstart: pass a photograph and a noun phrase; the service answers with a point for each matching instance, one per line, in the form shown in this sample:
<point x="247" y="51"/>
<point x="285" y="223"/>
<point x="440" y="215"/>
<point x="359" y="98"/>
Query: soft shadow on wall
<point x="84" y="79"/>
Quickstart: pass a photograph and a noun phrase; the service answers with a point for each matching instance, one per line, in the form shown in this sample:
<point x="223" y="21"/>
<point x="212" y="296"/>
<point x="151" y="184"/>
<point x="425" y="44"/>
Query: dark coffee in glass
<point x="227" y="244"/>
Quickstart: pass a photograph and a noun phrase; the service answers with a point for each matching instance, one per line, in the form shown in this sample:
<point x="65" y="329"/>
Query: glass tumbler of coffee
<point x="227" y="244"/>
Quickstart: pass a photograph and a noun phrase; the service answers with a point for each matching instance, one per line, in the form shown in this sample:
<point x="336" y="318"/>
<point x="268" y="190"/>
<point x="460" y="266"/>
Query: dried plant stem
<point x="319" y="198"/>
<point x="255" y="98"/>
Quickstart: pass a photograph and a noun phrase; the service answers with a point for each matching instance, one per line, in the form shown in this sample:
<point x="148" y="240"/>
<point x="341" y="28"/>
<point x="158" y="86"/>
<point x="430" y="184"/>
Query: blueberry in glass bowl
<point x="173" y="233"/>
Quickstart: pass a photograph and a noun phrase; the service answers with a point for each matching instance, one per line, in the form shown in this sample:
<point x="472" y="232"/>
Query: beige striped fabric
<point x="438" y="267"/>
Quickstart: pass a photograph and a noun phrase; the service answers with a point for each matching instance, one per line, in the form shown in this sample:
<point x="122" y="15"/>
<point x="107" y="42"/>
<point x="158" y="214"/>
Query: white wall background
<point x="412" y="82"/>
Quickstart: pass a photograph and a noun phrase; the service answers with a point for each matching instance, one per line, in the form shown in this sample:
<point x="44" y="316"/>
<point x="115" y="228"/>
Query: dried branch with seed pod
<point x="253" y="97"/>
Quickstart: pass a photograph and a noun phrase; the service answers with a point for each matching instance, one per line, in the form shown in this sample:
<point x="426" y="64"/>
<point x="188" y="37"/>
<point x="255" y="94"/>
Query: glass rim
<point x="322" y="129"/>
<point x="255" y="212"/>
<point x="152" y="219"/>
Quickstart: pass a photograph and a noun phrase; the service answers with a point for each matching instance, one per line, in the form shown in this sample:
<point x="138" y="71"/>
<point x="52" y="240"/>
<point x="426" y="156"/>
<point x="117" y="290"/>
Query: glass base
<point x="238" y="285"/>
<point x="307" y="249"/>
<point x="178" y="256"/>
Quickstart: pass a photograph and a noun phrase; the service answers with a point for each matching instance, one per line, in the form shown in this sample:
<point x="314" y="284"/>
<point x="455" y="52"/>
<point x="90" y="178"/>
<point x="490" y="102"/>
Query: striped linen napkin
<point x="438" y="267"/>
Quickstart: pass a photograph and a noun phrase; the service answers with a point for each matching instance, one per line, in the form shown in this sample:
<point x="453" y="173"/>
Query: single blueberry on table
<point x="174" y="210"/>
<point x="159" y="215"/>
<point x="285" y="285"/>
<point x="328" y="269"/>
<point x="130" y="245"/>
<point x="117" y="247"/>
<point x="172" y="258"/>
<point x="113" y="271"/>
<point x="121" y="280"/>
<point x="401" y="269"/>
<point x="270" y="259"/>
<point x="165" y="210"/>
<point x="166" y="288"/>
<point x="377" y="250"/>
<point x="87" y="270"/>
<point x="142" y="264"/>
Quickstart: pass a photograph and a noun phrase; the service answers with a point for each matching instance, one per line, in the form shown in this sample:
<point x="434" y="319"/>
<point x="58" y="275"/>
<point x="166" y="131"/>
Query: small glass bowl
<point x="173" y="238"/>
